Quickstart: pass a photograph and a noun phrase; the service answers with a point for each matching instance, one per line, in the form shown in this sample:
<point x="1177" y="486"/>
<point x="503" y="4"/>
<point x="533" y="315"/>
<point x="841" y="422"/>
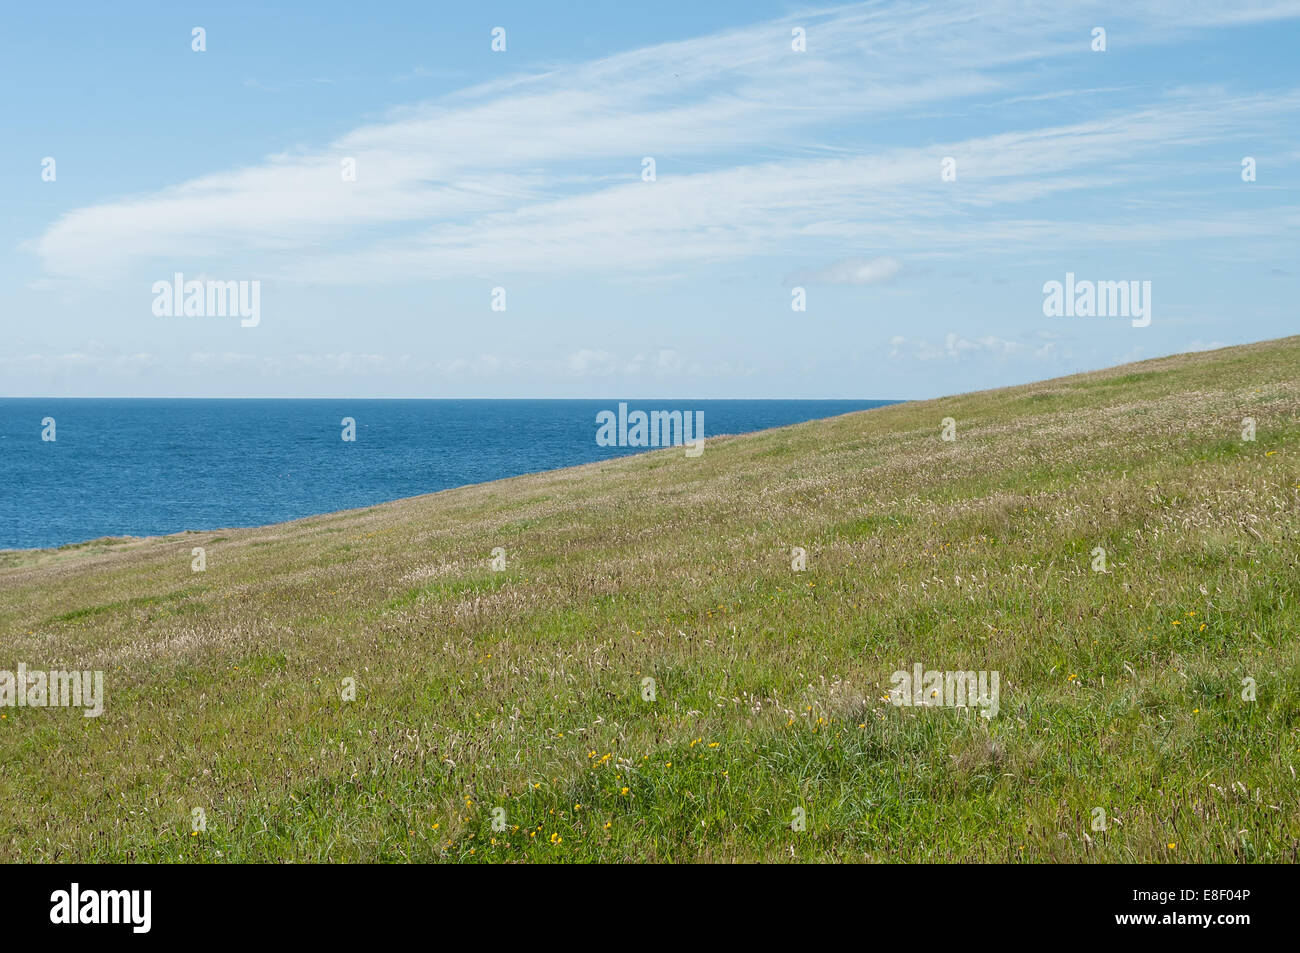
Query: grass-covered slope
<point x="523" y="689"/>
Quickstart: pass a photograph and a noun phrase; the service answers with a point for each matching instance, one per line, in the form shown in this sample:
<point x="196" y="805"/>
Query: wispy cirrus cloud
<point x="541" y="173"/>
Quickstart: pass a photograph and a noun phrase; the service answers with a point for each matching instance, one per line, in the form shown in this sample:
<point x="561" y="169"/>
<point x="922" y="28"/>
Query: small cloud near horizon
<point x="856" y="271"/>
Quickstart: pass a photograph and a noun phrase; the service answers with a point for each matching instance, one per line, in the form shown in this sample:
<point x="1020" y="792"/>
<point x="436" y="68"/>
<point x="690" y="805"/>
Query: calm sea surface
<point x="148" y="467"/>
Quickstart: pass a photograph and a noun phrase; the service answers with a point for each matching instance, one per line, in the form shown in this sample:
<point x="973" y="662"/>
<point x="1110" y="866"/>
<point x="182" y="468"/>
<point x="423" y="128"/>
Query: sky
<point x="524" y="169"/>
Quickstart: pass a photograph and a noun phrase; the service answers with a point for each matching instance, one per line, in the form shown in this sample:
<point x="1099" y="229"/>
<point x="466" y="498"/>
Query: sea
<point x="146" y="467"/>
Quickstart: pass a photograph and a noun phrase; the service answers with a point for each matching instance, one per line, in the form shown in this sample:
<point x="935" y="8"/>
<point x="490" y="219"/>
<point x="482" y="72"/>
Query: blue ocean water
<point x="149" y="467"/>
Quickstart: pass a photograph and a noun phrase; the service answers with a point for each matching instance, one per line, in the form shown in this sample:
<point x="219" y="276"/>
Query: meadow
<point x="645" y="675"/>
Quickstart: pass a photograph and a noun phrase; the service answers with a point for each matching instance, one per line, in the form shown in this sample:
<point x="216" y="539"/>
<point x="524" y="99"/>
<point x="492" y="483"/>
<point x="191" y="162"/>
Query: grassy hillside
<point x="523" y="688"/>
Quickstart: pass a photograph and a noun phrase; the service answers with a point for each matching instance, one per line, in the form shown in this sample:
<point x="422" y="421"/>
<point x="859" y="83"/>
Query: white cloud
<point x="956" y="347"/>
<point x="344" y="363"/>
<point x="857" y="271"/>
<point x="586" y="361"/>
<point x="514" y="175"/>
<point x="94" y="359"/>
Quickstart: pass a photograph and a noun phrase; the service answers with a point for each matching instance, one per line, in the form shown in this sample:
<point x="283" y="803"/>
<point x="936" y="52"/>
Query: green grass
<point x="522" y="690"/>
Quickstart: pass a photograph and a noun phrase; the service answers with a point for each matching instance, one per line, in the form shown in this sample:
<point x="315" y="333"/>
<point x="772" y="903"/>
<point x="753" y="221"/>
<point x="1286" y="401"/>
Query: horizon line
<point x="895" y="400"/>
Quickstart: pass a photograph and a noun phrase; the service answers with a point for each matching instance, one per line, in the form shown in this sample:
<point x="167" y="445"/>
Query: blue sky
<point x="522" y="169"/>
